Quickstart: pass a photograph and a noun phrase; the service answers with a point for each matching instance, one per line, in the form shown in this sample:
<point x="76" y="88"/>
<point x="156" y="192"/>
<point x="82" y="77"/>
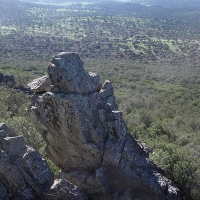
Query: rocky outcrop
<point x="24" y="174"/>
<point x="87" y="139"/>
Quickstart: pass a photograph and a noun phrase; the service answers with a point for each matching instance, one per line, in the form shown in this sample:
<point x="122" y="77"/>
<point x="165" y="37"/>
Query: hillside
<point x="151" y="54"/>
<point x="145" y="2"/>
<point x="131" y="31"/>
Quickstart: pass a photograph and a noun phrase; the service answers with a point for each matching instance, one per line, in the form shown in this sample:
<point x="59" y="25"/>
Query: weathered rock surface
<point x="42" y="84"/>
<point x="87" y="138"/>
<point x="63" y="189"/>
<point x="24" y="174"/>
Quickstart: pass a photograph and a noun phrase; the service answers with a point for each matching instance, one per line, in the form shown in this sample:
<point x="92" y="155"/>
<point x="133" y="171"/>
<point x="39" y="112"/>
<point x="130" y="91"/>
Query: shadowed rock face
<point x="7" y="80"/>
<point x="24" y="174"/>
<point x="87" y="139"/>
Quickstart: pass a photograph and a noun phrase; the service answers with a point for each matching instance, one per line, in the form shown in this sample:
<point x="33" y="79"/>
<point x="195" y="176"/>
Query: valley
<point x="150" y="53"/>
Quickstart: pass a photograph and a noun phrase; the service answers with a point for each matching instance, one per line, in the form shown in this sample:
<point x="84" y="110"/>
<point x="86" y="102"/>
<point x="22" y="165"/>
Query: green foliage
<point x="168" y="121"/>
<point x="13" y="112"/>
<point x="12" y="103"/>
<point x="151" y="55"/>
<point x="180" y="168"/>
<point x="53" y="167"/>
<point x="23" y="126"/>
<point x="29" y="36"/>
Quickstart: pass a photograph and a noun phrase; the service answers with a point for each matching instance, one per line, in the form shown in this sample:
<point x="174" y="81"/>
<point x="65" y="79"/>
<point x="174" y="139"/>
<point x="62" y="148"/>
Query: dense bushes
<point x="151" y="55"/>
<point x="181" y="167"/>
<point x="13" y="106"/>
<point x="163" y="112"/>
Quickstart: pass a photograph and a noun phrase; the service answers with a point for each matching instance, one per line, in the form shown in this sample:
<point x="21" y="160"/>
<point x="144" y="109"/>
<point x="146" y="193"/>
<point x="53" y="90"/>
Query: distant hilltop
<point x="144" y="2"/>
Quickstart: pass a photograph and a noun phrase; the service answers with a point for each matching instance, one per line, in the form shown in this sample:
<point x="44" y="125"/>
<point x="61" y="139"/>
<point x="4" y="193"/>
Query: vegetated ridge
<point x="151" y="55"/>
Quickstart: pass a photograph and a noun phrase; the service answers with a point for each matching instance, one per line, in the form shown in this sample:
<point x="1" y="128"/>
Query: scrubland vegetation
<point x="151" y="54"/>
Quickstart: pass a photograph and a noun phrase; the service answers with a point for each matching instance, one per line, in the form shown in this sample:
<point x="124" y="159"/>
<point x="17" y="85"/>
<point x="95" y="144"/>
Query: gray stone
<point x="24" y="174"/>
<point x="63" y="144"/>
<point x="42" y="84"/>
<point x="9" y="81"/>
<point x="2" y="126"/>
<point x="37" y="169"/>
<point x="14" y="146"/>
<point x="64" y="67"/>
<point x="82" y="83"/>
<point x="2" y="192"/>
<point x="67" y="74"/>
<point x="95" y="79"/>
<point x="5" y="131"/>
<point x="63" y="189"/>
<point x="87" y="139"/>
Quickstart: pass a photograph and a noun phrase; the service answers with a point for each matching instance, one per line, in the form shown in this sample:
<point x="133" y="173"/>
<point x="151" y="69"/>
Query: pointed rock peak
<point x="64" y="67"/>
<point x="67" y="75"/>
<point x="64" y="58"/>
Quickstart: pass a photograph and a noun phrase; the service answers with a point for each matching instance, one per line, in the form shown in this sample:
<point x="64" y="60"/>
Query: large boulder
<point x="68" y="75"/>
<point x="87" y="139"/>
<point x="42" y="84"/>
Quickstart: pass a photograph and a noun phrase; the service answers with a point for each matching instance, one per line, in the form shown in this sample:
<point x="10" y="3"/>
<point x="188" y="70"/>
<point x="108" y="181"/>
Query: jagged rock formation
<point x="87" y="139"/>
<point x="24" y="174"/>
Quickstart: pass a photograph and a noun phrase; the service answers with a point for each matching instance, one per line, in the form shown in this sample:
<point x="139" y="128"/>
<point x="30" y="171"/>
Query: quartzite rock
<point x="42" y="84"/>
<point x="87" y="138"/>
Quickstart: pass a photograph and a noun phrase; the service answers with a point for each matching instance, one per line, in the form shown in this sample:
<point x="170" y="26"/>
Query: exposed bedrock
<point x="86" y="136"/>
<point x="25" y="175"/>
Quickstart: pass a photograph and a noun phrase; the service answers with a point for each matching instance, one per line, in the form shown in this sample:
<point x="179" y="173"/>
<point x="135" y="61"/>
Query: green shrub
<point x="181" y="168"/>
